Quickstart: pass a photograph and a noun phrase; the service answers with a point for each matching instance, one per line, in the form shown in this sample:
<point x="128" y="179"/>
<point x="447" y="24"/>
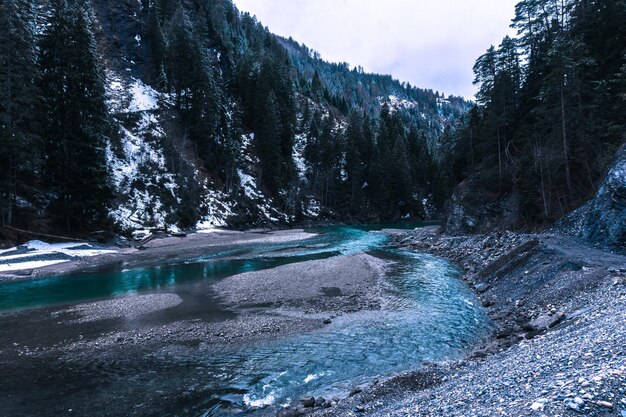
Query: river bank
<point x="160" y="250"/>
<point x="558" y="348"/>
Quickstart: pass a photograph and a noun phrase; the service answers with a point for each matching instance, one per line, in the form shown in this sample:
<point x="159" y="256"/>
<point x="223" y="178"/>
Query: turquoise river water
<point x="428" y="314"/>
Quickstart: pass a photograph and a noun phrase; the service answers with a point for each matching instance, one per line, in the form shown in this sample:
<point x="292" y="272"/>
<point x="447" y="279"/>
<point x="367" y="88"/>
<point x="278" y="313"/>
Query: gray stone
<point x="288" y="413"/>
<point x="481" y="288"/>
<point x="544" y="322"/>
<point x="489" y="302"/>
<point x="572" y="405"/>
<point x="308" y="402"/>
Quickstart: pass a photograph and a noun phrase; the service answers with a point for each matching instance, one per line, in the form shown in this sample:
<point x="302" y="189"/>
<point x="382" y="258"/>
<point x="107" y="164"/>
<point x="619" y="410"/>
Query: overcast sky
<point x="429" y="43"/>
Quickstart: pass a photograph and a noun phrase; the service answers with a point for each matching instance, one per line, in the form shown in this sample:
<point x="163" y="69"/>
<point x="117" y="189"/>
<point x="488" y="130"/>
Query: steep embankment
<point x="602" y="221"/>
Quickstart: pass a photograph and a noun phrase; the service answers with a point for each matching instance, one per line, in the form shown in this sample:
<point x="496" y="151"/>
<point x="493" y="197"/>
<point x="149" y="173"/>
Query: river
<point x="427" y="314"/>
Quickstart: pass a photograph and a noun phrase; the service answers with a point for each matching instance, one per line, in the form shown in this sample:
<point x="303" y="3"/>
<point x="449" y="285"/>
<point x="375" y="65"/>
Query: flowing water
<point x="428" y="314"/>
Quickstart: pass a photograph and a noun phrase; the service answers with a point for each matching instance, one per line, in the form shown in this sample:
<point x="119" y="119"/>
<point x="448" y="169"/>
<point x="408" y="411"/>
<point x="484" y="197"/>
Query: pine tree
<point x="19" y="99"/>
<point x="354" y="164"/>
<point x="182" y="61"/>
<point x="268" y="146"/>
<point x="485" y="71"/>
<point x="158" y="46"/>
<point x="76" y="118"/>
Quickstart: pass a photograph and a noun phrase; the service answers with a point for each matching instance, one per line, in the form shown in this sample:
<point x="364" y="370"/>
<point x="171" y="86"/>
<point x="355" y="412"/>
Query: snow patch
<point x="395" y="103"/>
<point x="298" y="156"/>
<point x="7" y="267"/>
<point x="143" y="97"/>
<point x="130" y="96"/>
<point x="209" y="230"/>
<point x="138" y="166"/>
<point x="248" y="184"/>
<point x="37" y="254"/>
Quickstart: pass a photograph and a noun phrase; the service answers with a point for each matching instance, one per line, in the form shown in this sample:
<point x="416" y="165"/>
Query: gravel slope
<point x="559" y="348"/>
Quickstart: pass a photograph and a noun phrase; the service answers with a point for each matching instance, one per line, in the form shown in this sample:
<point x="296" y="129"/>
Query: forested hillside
<point x="120" y="115"/>
<point x="167" y="113"/>
<point x="549" y="117"/>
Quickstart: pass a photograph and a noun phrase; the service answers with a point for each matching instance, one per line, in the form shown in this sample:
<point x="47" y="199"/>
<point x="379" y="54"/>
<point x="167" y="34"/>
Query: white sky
<point x="429" y="43"/>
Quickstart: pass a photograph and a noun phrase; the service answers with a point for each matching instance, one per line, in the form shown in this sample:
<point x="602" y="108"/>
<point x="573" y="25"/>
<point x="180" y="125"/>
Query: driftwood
<point x="15" y="229"/>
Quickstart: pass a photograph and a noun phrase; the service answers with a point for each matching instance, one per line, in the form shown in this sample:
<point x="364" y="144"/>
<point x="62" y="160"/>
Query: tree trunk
<point x="568" y="177"/>
<point x="538" y="156"/>
<point x="500" y="161"/>
<point x="472" y="147"/>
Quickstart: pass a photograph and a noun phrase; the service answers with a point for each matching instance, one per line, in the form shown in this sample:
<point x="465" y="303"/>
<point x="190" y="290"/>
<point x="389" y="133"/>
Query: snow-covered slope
<point x="148" y="192"/>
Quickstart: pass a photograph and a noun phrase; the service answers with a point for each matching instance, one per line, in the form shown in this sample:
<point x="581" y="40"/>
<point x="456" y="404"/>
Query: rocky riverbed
<point x="74" y="357"/>
<point x="558" y="308"/>
<point x="558" y="349"/>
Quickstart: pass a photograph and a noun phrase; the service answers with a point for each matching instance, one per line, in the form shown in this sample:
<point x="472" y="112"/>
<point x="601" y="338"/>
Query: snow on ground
<point x="137" y="163"/>
<point x="140" y="161"/>
<point x="395" y="103"/>
<point x="298" y="156"/>
<point x="249" y="184"/>
<point x="208" y="229"/>
<point x="143" y="97"/>
<point x="130" y="95"/>
<point x="37" y="254"/>
<point x="141" y="175"/>
<point x="8" y="267"/>
<point x="216" y="205"/>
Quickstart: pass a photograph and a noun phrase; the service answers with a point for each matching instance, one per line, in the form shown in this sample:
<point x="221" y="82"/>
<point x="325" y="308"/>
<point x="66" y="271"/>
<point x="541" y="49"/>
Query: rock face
<point x="602" y="221"/>
<point x="606" y="218"/>
<point x="474" y="210"/>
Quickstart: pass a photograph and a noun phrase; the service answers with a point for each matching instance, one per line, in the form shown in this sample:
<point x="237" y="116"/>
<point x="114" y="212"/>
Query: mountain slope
<point x="214" y="121"/>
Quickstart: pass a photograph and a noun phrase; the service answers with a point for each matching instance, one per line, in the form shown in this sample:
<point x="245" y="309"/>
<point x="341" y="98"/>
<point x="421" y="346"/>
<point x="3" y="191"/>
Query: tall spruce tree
<point x="19" y="99"/>
<point x="76" y="123"/>
<point x="158" y="46"/>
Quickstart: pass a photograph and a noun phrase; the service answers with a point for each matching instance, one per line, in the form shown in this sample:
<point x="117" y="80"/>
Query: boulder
<point x="544" y="322"/>
<point x="600" y="221"/>
<point x="308" y="402"/>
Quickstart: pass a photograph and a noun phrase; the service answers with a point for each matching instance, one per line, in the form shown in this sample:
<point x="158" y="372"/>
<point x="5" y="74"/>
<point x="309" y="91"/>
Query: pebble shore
<point x="559" y="344"/>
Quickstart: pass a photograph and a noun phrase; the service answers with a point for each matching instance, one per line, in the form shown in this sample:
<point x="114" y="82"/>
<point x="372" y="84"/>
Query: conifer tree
<point x="19" y="100"/>
<point x="354" y="163"/>
<point x="156" y="38"/>
<point x="268" y="145"/>
<point x="76" y="118"/>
